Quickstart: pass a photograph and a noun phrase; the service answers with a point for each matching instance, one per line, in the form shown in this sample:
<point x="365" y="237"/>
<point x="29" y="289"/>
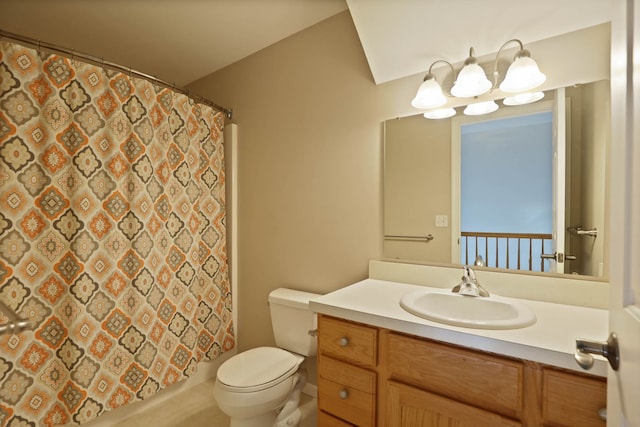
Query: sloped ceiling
<point x="180" y="41"/>
<point x="403" y="37"/>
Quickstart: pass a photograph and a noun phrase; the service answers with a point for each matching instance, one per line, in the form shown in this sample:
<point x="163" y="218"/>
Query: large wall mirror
<point x="521" y="189"/>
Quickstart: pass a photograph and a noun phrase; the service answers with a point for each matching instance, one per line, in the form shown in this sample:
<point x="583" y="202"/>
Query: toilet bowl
<point x="261" y="387"/>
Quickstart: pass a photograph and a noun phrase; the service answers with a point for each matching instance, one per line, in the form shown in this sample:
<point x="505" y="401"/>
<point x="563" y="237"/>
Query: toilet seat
<point x="257" y="369"/>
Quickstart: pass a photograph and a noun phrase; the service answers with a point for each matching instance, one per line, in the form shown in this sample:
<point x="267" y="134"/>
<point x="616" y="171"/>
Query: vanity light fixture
<point x="430" y="93"/>
<point x="480" y="108"/>
<point x="441" y="113"/>
<point x="523" y="75"/>
<point x="523" y="98"/>
<point x="472" y="80"/>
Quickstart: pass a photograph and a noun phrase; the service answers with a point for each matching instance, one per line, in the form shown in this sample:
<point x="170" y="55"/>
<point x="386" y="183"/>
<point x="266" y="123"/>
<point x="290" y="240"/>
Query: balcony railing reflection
<point x="516" y="251"/>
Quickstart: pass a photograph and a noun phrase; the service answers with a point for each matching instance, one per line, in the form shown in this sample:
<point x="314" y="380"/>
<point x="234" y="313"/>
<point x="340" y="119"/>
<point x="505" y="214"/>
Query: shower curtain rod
<point x="100" y="61"/>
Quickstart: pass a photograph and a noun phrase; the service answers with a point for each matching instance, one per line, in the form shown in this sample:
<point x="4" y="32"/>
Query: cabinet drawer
<point x="572" y="400"/>
<point x="346" y="391"/>
<point x="350" y="376"/>
<point x="350" y="404"/>
<point x="485" y="381"/>
<point x="348" y="341"/>
<point x="326" y="420"/>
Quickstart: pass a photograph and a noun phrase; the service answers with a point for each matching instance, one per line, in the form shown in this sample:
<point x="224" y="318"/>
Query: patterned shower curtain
<point x="112" y="238"/>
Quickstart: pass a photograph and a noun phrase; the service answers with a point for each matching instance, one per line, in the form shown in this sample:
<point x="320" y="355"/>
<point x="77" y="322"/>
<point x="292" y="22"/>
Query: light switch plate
<point x="442" y="220"/>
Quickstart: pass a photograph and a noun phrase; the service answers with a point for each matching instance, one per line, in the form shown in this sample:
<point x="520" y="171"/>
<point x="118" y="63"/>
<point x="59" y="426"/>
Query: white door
<point x="624" y="384"/>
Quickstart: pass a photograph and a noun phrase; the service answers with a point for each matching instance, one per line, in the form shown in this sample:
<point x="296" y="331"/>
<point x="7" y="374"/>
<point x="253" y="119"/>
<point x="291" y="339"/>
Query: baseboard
<point x="310" y="390"/>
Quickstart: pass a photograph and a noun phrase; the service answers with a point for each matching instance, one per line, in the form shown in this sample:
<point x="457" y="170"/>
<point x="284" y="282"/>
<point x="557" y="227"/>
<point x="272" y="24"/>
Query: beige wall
<point x="417" y="187"/>
<point x="573" y="190"/>
<point x="310" y="159"/>
<point x="309" y="165"/>
<point x="588" y="157"/>
<point x="596" y="131"/>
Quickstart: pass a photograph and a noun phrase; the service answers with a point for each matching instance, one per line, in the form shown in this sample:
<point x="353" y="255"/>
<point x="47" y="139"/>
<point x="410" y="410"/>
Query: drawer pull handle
<point x="344" y="394"/>
<point x="344" y="341"/>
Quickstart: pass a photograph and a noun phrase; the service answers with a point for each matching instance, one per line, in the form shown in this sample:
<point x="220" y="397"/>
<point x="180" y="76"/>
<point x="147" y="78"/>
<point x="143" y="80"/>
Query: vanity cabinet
<point x="373" y="376"/>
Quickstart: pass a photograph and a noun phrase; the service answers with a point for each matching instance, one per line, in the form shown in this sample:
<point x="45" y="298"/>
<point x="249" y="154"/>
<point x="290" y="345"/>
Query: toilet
<point x="261" y="387"/>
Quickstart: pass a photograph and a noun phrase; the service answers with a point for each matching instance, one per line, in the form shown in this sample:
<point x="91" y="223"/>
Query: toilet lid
<point x="257" y="368"/>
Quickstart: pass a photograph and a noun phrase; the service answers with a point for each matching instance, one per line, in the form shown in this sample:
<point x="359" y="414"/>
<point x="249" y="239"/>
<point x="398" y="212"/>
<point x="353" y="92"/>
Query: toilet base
<point x="284" y="414"/>
<point x="293" y="420"/>
<point x="290" y="413"/>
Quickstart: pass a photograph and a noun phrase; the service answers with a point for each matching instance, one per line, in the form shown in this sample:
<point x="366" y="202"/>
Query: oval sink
<point x="472" y="312"/>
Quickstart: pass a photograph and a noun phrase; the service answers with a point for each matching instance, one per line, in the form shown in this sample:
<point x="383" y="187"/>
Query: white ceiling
<point x="180" y="41"/>
<point x="403" y="37"/>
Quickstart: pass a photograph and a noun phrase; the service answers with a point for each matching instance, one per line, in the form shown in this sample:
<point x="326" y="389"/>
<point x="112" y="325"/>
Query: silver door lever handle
<point x="608" y="349"/>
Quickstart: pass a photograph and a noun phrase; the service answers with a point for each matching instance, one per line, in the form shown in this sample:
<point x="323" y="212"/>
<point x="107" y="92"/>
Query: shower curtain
<point x="112" y="238"/>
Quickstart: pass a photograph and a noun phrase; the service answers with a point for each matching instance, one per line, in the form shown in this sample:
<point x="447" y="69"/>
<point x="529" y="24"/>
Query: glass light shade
<point x="442" y="113"/>
<point x="523" y="98"/>
<point x="523" y="75"/>
<point x="429" y="95"/>
<point x="472" y="81"/>
<point x="480" y="108"/>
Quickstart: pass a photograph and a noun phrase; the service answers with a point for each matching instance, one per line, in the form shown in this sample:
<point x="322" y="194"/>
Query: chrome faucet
<point x="470" y="285"/>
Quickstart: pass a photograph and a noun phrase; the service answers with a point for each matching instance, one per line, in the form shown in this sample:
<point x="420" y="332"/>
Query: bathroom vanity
<point x="381" y="366"/>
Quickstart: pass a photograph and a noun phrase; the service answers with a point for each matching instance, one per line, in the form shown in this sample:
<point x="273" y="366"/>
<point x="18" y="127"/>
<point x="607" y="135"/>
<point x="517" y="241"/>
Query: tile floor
<point x="196" y="408"/>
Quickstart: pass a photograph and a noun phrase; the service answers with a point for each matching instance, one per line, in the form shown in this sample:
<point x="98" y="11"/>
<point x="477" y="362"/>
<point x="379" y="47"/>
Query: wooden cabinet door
<point x="480" y="379"/>
<point x="572" y="400"/>
<point x="411" y="407"/>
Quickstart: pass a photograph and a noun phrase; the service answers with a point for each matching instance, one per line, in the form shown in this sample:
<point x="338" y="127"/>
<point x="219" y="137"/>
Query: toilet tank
<point x="292" y="320"/>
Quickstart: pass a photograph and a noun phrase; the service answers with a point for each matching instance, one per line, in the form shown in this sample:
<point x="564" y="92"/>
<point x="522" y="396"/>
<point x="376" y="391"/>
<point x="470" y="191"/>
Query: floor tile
<point x="196" y="407"/>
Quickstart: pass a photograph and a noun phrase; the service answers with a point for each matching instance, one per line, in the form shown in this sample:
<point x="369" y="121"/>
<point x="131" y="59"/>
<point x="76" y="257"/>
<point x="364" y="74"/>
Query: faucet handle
<point x="482" y="292"/>
<point x="469" y="273"/>
<point x="470" y="285"/>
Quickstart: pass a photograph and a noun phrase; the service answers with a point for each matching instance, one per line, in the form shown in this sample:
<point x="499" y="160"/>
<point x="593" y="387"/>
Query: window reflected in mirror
<point x="506" y="192"/>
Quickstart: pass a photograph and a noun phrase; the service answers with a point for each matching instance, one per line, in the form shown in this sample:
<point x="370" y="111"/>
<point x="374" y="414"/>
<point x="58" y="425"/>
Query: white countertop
<point x="551" y="340"/>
